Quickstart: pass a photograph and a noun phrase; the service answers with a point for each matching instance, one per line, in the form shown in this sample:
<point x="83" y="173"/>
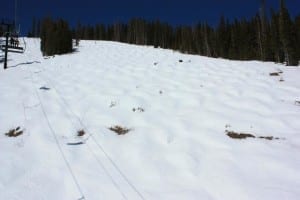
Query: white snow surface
<point x="176" y="149"/>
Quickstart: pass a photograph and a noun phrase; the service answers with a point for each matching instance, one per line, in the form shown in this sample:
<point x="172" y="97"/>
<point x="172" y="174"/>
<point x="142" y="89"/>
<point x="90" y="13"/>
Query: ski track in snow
<point x="177" y="148"/>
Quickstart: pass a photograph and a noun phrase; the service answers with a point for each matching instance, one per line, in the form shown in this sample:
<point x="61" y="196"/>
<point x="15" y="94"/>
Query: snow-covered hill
<point x="177" y="107"/>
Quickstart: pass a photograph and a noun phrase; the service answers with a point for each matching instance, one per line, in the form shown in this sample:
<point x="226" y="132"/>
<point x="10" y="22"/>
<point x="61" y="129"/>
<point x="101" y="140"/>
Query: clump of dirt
<point x="274" y="74"/>
<point x="235" y="135"/>
<point x="139" y="109"/>
<point x="80" y="133"/>
<point x="14" y="132"/>
<point x="269" y="137"/>
<point x="119" y="130"/>
<point x="113" y="104"/>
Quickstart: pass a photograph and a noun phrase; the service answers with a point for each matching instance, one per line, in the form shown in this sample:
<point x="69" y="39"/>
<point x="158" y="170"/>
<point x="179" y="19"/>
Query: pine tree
<point x="56" y="37"/>
<point x="287" y="36"/>
<point x="1" y="31"/>
<point x="233" y="52"/>
<point x="198" y="39"/>
<point x="276" y="46"/>
<point x="223" y="38"/>
<point x="206" y="38"/>
<point x="297" y="29"/>
<point x="264" y="34"/>
<point x="33" y="30"/>
<point x="38" y="29"/>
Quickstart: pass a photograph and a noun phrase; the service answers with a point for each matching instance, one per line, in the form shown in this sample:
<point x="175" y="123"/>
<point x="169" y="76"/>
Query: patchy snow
<point x="178" y="113"/>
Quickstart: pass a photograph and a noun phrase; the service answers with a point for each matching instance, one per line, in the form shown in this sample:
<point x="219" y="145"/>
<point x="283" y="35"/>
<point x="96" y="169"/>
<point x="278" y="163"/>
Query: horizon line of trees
<point x="275" y="38"/>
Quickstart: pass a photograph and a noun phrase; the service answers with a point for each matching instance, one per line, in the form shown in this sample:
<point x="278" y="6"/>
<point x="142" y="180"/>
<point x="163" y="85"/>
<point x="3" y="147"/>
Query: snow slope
<point x="176" y="149"/>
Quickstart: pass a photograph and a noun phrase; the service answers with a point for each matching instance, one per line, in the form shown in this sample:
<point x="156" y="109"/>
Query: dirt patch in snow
<point x="268" y="137"/>
<point x="119" y="130"/>
<point x="138" y="109"/>
<point x="274" y="74"/>
<point x="235" y="135"/>
<point x="80" y="133"/>
<point x="14" y="132"/>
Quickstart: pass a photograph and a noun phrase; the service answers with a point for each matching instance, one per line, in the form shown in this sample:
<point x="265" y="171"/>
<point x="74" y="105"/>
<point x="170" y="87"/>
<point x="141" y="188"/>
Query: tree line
<point x="266" y="38"/>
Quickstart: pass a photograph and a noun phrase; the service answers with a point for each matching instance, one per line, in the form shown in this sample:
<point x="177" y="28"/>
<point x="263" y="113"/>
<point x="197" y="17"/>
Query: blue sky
<point x="102" y="11"/>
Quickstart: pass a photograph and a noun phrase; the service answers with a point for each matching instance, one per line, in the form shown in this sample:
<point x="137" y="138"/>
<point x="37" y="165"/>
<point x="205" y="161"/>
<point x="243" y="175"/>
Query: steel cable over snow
<point x="99" y="146"/>
<point x="57" y="142"/>
<point x="89" y="148"/>
<point x="84" y="141"/>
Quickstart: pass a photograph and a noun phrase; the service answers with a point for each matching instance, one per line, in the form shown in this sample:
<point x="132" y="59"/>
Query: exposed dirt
<point x="274" y="74"/>
<point x="80" y="133"/>
<point x="235" y="135"/>
<point x="139" y="109"/>
<point x="269" y="137"/>
<point x="119" y="130"/>
<point x="14" y="132"/>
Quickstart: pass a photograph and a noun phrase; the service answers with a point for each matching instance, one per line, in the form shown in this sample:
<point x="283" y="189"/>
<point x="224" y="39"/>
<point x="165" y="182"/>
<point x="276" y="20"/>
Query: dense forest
<point x="267" y="38"/>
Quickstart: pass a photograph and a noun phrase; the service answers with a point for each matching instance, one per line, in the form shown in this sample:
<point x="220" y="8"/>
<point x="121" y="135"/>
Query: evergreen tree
<point x="38" y="29"/>
<point x="198" y="39"/>
<point x="207" y="45"/>
<point x="33" y="30"/>
<point x="223" y="39"/>
<point x="263" y="34"/>
<point x="276" y="46"/>
<point x="233" y="52"/>
<point x="1" y="31"/>
<point x="287" y="36"/>
<point x="297" y="29"/>
<point x="56" y="37"/>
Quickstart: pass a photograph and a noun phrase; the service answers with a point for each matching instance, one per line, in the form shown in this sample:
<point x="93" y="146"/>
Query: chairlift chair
<point x="14" y="44"/>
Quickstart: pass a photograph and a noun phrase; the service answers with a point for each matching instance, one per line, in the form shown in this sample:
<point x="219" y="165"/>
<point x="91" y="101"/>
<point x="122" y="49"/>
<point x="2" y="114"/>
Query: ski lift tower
<point x="6" y="35"/>
<point x="11" y="34"/>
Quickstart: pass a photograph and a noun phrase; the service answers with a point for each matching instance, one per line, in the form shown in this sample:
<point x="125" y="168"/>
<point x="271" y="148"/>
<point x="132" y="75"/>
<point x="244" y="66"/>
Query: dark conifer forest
<point x="274" y="37"/>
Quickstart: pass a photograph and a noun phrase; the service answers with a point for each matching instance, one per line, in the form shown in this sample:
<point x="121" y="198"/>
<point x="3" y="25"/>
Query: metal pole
<point x="16" y="15"/>
<point x="6" y="47"/>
